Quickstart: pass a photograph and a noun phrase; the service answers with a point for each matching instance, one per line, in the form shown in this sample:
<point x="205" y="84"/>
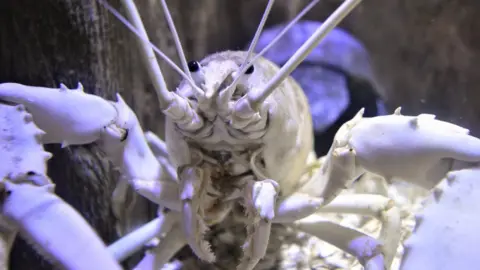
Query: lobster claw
<point x="417" y="149"/>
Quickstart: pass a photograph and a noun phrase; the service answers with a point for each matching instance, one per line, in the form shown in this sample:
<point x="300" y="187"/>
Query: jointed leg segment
<point x="366" y="249"/>
<point x="160" y="255"/>
<point x="193" y="198"/>
<point x="260" y="200"/>
<point x="376" y="206"/>
<point x="132" y="242"/>
<point x="320" y="195"/>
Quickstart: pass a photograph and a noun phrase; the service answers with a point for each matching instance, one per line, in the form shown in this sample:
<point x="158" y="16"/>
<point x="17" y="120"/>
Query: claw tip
<point x="437" y="194"/>
<point x="80" y="86"/>
<point x="450" y="178"/>
<point x="398" y="111"/>
<point x="63" y="87"/>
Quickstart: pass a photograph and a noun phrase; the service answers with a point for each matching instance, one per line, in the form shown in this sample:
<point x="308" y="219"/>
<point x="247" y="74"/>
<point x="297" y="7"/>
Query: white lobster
<point x="239" y="145"/>
<point x="29" y="206"/>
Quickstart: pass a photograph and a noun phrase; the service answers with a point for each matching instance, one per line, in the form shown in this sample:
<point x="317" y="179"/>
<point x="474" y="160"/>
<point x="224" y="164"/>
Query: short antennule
<point x="249" y="104"/>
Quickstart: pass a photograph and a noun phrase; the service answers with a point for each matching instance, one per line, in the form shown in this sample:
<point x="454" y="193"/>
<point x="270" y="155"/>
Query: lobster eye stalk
<point x="251" y="102"/>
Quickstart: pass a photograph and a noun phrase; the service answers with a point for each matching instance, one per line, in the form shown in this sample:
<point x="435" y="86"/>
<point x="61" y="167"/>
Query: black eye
<point x="249" y="70"/>
<point x="193" y="66"/>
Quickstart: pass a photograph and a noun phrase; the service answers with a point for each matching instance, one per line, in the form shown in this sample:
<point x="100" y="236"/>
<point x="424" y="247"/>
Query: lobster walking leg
<point x="158" y="256"/>
<point x="260" y="201"/>
<point x="378" y="207"/>
<point x="367" y="249"/>
<point x="193" y="194"/>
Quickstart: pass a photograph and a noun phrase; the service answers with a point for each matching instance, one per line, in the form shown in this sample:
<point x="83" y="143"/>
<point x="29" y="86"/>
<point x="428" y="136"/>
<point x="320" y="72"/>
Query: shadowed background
<point x="425" y="53"/>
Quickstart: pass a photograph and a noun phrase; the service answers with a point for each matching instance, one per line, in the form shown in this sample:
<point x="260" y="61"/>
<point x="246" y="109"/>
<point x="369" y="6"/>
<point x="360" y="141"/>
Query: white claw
<point x="448" y="229"/>
<point x="20" y="140"/>
<point x="22" y="155"/>
<point x="129" y="150"/>
<point x="54" y="228"/>
<point x="65" y="115"/>
<point x="417" y="149"/>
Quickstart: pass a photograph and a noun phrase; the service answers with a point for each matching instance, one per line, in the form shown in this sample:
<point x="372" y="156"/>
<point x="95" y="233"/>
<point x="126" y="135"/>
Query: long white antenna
<point x="255" y="98"/>
<point x="258" y="32"/>
<point x="147" y="47"/>
<point x="163" y="95"/>
<point x="227" y="93"/>
<point x="176" y="38"/>
<point x="282" y="33"/>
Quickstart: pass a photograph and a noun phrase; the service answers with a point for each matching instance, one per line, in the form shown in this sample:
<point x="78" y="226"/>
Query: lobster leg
<point x="334" y="175"/>
<point x="158" y="146"/>
<point x="193" y="195"/>
<point x="135" y="240"/>
<point x="260" y="200"/>
<point x="157" y="257"/>
<point x="152" y="177"/>
<point x="378" y="207"/>
<point x="367" y="249"/>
